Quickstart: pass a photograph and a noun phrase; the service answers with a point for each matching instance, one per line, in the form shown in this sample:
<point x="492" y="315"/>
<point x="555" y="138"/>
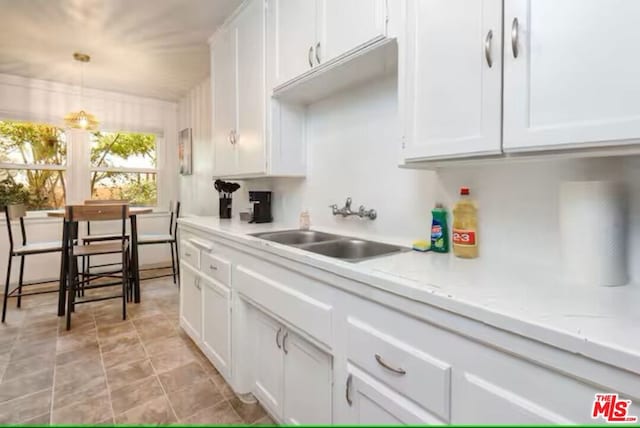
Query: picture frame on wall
<point x="184" y="151"/>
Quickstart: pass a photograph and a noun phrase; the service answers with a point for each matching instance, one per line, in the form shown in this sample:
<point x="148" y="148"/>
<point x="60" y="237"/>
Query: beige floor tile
<point x="113" y="330"/>
<point x="40" y="420"/>
<point x="123" y="341"/>
<point x="26" y="385"/>
<point x="69" y="392"/>
<point x="266" y="420"/>
<point x="76" y="374"/>
<point x="188" y="401"/>
<point x="25" y="408"/>
<point x="173" y="358"/>
<point x="161" y="328"/>
<point x="155" y="412"/>
<point x="134" y="352"/>
<point x="72" y="342"/>
<point x="25" y="366"/>
<point x="226" y="390"/>
<point x="250" y="413"/>
<point x="182" y="377"/>
<point x="84" y="411"/>
<point x="90" y="351"/>
<point x="219" y="414"/>
<point x="134" y="394"/>
<point x="164" y="344"/>
<point x="26" y="350"/>
<point x="120" y="375"/>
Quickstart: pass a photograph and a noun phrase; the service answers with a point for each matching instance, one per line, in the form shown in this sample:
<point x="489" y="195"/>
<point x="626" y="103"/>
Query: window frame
<point x="157" y="170"/>
<point x="39" y="166"/>
<point x="77" y="168"/>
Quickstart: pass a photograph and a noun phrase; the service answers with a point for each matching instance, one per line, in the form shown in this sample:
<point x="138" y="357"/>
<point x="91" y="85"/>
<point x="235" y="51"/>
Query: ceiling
<point x="153" y="48"/>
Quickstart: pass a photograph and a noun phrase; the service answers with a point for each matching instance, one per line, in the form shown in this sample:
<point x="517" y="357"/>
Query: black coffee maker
<point x="261" y="207"/>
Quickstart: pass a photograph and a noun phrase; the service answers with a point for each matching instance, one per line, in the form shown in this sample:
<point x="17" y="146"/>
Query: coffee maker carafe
<point x="261" y="202"/>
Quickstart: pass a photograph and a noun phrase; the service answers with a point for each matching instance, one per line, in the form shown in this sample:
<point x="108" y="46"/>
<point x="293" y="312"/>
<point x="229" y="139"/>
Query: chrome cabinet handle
<point x="198" y="283"/>
<point x="278" y="338"/>
<point x="487" y="48"/>
<point x="384" y="364"/>
<point x="347" y="389"/>
<point x="187" y="254"/>
<point x="318" y="52"/>
<point x="231" y="136"/>
<point x="310" y="56"/>
<point x="213" y="267"/>
<point x="284" y="342"/>
<point x="514" y="37"/>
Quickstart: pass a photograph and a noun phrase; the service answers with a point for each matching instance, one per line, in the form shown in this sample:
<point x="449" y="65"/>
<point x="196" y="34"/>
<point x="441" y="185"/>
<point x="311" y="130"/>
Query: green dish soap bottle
<point x="439" y="230"/>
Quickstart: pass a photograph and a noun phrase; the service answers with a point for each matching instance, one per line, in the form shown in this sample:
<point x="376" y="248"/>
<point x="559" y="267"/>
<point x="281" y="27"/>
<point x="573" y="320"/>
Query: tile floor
<point x="144" y="370"/>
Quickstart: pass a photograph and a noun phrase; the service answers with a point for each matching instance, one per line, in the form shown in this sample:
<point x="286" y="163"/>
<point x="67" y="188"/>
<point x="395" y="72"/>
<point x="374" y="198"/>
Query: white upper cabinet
<point x="223" y="83"/>
<point x="450" y="79"/>
<point x="349" y="24"/>
<point x="252" y="135"/>
<point x="571" y="73"/>
<point x="309" y="33"/>
<point x="295" y="37"/>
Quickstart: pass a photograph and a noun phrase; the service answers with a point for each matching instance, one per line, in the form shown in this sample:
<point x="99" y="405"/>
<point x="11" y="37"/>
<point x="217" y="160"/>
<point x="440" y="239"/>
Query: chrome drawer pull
<point x="187" y="254"/>
<point x="213" y="267"/>
<point x="347" y="390"/>
<point x="284" y="342"/>
<point x="514" y="37"/>
<point x="278" y="338"/>
<point x="384" y="364"/>
<point x="487" y="48"/>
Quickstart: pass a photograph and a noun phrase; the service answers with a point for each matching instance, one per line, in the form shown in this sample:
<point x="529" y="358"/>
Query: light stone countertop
<point x="602" y="323"/>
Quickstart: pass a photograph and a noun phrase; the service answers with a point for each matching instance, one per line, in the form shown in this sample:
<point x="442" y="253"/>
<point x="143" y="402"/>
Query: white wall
<point x="197" y="194"/>
<point x="38" y="100"/>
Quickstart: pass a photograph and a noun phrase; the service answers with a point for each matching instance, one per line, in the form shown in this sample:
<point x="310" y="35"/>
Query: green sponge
<point x="422" y="245"/>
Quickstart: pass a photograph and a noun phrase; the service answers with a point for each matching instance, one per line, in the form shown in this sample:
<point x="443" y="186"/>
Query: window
<point x="33" y="158"/>
<point x="124" y="166"/>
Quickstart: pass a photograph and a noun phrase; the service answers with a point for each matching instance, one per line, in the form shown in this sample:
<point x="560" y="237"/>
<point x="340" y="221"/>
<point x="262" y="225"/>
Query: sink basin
<point x="296" y="237"/>
<point x="339" y="247"/>
<point x="353" y="249"/>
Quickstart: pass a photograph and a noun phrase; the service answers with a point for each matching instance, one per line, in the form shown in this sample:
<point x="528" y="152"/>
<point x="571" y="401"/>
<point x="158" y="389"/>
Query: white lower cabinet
<point x="293" y="378"/>
<point x="190" y="302"/>
<point x="313" y="353"/>
<point x="372" y="403"/>
<point x="216" y="323"/>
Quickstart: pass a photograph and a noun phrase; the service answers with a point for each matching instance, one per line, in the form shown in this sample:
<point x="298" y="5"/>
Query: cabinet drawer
<point x="405" y="368"/>
<point x="190" y="254"/>
<point x="216" y="267"/>
<point x="299" y="309"/>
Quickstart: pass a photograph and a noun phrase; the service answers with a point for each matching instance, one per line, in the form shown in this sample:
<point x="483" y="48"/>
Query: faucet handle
<point x="334" y="208"/>
<point x="347" y="203"/>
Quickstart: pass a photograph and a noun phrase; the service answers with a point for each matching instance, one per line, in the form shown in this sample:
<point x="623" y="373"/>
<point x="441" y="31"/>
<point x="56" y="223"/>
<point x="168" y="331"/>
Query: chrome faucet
<point x="346" y="211"/>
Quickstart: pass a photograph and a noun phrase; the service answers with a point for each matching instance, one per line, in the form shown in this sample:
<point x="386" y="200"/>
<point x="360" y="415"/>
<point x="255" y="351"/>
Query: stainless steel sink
<point x="353" y="250"/>
<point x="296" y="237"/>
<point x="339" y="247"/>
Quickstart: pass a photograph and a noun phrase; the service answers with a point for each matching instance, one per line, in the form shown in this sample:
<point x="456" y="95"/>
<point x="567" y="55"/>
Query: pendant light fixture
<point x="81" y="119"/>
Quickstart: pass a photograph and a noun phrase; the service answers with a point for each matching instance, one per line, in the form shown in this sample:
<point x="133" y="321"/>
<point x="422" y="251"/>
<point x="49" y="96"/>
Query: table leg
<point x="63" y="268"/>
<point x="135" y="270"/>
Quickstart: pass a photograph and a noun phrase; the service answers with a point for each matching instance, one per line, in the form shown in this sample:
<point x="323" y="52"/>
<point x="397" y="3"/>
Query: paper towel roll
<point x="593" y="230"/>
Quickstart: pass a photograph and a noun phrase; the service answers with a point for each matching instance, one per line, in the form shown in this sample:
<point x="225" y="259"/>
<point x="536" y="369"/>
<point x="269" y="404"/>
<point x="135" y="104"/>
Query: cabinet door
<point x="307" y="382"/>
<point x="371" y="403"/>
<point x="190" y="302"/>
<point x="250" y="139"/>
<point x="216" y="325"/>
<point x="268" y="362"/>
<point x="574" y="81"/>
<point x="223" y="84"/>
<point x="450" y="95"/>
<point x="294" y="25"/>
<point x="345" y="25"/>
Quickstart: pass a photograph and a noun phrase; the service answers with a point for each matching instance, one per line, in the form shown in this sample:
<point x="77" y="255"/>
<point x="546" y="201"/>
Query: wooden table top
<point x="132" y="211"/>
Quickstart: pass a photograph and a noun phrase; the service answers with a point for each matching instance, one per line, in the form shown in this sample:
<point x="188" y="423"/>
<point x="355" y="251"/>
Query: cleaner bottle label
<point x="464" y="237"/>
